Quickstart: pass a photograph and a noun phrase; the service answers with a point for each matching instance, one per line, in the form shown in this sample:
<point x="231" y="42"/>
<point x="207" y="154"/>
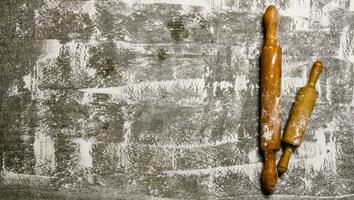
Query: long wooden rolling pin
<point x="299" y="117"/>
<point x="271" y="61"/>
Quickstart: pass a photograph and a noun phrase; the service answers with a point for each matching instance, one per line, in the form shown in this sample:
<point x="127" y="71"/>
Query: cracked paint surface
<point x="159" y="99"/>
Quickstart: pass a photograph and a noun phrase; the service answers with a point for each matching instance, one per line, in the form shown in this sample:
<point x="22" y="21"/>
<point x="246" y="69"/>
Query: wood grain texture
<point x="300" y="116"/>
<point x="271" y="73"/>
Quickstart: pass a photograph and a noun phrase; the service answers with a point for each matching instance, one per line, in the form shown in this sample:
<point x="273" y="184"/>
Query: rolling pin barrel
<point x="299" y="117"/>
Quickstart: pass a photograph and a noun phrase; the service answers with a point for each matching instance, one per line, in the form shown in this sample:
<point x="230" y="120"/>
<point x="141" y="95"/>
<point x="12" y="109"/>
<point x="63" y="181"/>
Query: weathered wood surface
<point x="270" y="101"/>
<point x="159" y="98"/>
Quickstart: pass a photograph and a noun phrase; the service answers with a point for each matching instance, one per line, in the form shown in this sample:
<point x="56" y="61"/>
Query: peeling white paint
<point x="226" y="139"/>
<point x="291" y="84"/>
<point x="211" y="184"/>
<point x="329" y="90"/>
<point x="298" y="8"/>
<point x="50" y="49"/>
<point x="12" y="90"/>
<point x="87" y="98"/>
<point x="322" y="153"/>
<point x="222" y="85"/>
<point x="139" y="91"/>
<point x="28" y="81"/>
<point x="241" y="83"/>
<point x="253" y="156"/>
<point x="15" y="178"/>
<point x="325" y="20"/>
<point x="250" y="170"/>
<point x="351" y="5"/>
<point x="300" y="11"/>
<point x="127" y="131"/>
<point x="44" y="152"/>
<point x="207" y="84"/>
<point x="52" y="4"/>
<point x="79" y="58"/>
<point x="85" y="148"/>
<point x="200" y="3"/>
<point x="308" y="183"/>
<point x="346" y="45"/>
<point x="317" y="156"/>
<point x="90" y="8"/>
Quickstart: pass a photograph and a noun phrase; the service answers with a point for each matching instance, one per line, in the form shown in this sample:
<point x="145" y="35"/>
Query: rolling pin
<point x="299" y="116"/>
<point x="271" y="61"/>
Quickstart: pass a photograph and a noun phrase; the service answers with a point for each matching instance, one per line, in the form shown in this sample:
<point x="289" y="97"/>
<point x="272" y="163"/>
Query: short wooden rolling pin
<point x="299" y="117"/>
<point x="270" y="137"/>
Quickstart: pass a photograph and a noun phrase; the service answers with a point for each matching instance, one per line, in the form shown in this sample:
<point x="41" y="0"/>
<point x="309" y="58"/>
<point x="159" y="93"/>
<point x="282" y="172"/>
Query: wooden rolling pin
<point x="299" y="117"/>
<point x="271" y="61"/>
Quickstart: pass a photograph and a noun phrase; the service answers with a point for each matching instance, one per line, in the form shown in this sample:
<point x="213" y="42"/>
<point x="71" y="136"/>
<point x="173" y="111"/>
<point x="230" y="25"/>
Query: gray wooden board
<point x="159" y="99"/>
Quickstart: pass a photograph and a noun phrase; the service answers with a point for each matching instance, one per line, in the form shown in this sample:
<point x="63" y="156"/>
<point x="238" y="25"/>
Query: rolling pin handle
<point x="315" y="73"/>
<point x="284" y="160"/>
<point x="269" y="174"/>
<point x="271" y="22"/>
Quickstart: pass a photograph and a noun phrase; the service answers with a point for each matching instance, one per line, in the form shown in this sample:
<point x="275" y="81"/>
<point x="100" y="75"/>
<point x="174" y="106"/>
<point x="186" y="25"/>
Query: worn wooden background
<point x="158" y="99"/>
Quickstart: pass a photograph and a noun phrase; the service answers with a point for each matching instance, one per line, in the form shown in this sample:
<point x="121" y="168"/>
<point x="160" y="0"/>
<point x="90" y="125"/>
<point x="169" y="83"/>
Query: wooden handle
<point x="269" y="173"/>
<point x="284" y="160"/>
<point x="315" y="73"/>
<point x="271" y="22"/>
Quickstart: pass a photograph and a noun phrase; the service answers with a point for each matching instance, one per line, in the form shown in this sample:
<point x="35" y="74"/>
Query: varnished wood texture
<point x="270" y="97"/>
<point x="300" y="115"/>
